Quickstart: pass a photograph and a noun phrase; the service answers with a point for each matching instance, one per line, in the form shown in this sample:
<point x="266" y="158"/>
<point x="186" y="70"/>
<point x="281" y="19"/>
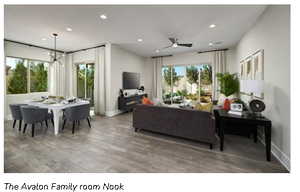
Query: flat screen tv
<point x="131" y="80"/>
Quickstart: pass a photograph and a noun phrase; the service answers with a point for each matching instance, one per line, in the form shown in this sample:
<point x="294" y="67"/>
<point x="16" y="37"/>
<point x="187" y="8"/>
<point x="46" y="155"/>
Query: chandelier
<point x="55" y="58"/>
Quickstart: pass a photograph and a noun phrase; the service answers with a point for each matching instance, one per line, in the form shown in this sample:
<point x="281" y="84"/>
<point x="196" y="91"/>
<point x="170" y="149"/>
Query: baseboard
<point x="280" y="156"/>
<point x="112" y="113"/>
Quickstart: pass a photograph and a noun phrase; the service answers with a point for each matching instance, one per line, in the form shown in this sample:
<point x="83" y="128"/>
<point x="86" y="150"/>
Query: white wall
<point x="122" y="61"/>
<point x="84" y="56"/>
<point x="272" y="33"/>
<point x="22" y="51"/>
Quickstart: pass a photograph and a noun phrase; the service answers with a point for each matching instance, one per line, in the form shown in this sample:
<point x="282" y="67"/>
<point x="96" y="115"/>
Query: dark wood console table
<point x="128" y="103"/>
<point x="225" y="118"/>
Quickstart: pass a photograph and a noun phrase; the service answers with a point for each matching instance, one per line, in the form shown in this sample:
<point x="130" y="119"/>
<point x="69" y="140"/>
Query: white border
<point x="183" y="182"/>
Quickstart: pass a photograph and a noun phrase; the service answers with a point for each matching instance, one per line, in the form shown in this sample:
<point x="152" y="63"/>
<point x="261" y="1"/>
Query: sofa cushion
<point x="204" y="107"/>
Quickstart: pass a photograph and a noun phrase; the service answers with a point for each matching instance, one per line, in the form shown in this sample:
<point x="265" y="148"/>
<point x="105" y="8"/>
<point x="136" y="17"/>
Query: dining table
<point x="57" y="109"/>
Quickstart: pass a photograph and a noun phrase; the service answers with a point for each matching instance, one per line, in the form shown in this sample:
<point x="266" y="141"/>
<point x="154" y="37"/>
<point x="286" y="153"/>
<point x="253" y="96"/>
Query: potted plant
<point x="229" y="85"/>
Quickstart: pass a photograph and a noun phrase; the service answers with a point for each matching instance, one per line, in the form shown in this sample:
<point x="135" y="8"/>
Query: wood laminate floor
<point x="112" y="146"/>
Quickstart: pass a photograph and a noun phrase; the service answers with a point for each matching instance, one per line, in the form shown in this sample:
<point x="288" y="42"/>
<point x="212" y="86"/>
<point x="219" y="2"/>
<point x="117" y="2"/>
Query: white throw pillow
<point x="156" y="101"/>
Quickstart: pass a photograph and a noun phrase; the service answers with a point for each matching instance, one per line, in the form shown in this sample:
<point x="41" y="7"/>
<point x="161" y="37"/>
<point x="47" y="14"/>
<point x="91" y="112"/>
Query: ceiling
<point x="126" y="23"/>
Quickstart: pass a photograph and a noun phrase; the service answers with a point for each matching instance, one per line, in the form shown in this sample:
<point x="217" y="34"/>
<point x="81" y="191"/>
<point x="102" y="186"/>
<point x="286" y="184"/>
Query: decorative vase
<point x="226" y="104"/>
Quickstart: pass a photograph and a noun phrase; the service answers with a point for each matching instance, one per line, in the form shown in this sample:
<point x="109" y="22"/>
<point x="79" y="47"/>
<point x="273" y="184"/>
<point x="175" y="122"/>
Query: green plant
<point x="192" y="74"/>
<point x="182" y="93"/>
<point x="229" y="83"/>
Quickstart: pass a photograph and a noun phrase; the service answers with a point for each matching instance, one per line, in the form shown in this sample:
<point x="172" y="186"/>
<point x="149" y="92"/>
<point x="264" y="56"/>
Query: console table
<point x="129" y="102"/>
<point x="224" y="118"/>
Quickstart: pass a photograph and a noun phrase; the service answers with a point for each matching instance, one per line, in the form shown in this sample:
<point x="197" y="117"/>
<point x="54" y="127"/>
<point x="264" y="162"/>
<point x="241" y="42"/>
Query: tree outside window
<point x="187" y="82"/>
<point x="21" y="79"/>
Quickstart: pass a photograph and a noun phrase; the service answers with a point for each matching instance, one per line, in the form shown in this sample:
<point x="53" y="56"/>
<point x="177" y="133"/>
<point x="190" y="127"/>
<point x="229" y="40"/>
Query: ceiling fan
<point x="53" y="55"/>
<point x="175" y="43"/>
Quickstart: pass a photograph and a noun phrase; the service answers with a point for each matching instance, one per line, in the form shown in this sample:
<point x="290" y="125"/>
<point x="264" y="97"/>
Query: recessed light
<point x="157" y="50"/>
<point x="212" y="26"/>
<point x="139" y="40"/>
<point x="210" y="44"/>
<point x="175" y="45"/>
<point x="103" y="16"/>
<point x="69" y="29"/>
<point x="44" y="39"/>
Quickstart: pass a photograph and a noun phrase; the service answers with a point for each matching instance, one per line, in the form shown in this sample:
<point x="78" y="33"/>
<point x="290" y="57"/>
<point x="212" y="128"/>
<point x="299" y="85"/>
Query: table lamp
<point x="254" y="87"/>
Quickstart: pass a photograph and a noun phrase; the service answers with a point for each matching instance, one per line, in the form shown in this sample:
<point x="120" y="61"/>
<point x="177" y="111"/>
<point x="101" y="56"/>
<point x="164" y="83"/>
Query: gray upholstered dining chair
<point x="49" y="116"/>
<point x="76" y="114"/>
<point x="16" y="114"/>
<point x="32" y="115"/>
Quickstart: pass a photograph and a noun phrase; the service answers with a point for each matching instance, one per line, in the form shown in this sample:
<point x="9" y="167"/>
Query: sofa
<point x="185" y="123"/>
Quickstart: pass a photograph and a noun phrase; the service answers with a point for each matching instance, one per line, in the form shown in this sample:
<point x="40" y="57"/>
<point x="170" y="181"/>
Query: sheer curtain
<point x="218" y="66"/>
<point x="57" y="78"/>
<point x="71" y="80"/>
<point x="99" y="78"/>
<point x="157" y="77"/>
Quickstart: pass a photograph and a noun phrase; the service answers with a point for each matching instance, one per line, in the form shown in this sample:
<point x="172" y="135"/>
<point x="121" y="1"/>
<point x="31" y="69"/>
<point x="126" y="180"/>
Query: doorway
<point x="85" y="81"/>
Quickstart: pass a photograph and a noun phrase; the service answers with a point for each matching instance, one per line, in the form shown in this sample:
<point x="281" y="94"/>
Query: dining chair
<point x="16" y="114"/>
<point x="49" y="116"/>
<point x="76" y="114"/>
<point x="32" y="115"/>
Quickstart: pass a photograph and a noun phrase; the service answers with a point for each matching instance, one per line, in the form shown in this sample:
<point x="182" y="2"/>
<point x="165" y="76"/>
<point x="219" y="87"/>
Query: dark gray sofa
<point x="185" y="123"/>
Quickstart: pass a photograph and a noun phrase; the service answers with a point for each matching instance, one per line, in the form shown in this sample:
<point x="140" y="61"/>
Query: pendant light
<point x="55" y="58"/>
<point x="55" y="36"/>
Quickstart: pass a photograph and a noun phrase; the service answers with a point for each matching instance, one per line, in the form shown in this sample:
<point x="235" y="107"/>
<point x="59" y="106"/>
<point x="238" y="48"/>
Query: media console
<point x="129" y="102"/>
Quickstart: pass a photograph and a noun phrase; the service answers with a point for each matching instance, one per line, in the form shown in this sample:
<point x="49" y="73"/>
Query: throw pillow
<point x="157" y="102"/>
<point x="204" y="107"/>
<point x="146" y="101"/>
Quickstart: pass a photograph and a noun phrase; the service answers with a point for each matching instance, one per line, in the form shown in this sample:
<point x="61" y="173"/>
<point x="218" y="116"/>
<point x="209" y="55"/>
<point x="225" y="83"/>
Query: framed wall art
<point x="252" y="68"/>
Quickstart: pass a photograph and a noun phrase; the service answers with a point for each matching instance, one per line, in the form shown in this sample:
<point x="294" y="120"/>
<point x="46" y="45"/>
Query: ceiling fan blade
<point x="166" y="47"/>
<point x="185" y="44"/>
<point x="173" y="40"/>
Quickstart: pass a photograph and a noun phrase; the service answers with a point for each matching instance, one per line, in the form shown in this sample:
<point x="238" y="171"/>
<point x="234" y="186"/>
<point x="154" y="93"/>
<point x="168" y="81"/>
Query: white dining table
<point x="57" y="110"/>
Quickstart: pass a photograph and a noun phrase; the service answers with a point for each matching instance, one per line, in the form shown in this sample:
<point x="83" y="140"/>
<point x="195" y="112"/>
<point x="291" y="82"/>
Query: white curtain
<point x="99" y="78"/>
<point x="218" y="66"/>
<point x="57" y="78"/>
<point x="157" y="77"/>
<point x="71" y="80"/>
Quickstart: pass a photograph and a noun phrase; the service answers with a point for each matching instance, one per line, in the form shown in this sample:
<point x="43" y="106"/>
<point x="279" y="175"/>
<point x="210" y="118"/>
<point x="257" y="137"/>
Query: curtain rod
<point x="31" y="45"/>
<point x="161" y="56"/>
<point x="85" y="49"/>
<point x="213" y="50"/>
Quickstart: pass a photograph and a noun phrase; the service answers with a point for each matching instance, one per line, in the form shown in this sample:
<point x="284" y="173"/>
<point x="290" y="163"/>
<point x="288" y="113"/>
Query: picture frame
<point x="252" y="68"/>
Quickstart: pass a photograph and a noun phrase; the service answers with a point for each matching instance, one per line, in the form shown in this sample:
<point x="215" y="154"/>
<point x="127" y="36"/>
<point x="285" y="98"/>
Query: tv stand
<point x="129" y="102"/>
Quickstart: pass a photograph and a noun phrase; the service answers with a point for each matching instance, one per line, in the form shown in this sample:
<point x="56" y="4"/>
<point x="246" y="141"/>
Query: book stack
<point x="235" y="112"/>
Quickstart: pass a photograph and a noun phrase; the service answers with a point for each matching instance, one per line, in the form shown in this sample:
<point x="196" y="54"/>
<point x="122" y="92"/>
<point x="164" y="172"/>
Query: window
<point x="38" y="76"/>
<point x="186" y="82"/>
<point x="26" y="76"/>
<point x="85" y="81"/>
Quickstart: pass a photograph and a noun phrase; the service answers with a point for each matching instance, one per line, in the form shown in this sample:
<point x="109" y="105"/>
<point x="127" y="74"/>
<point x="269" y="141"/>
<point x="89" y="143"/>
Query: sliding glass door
<point x="85" y="81"/>
<point x="186" y="82"/>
